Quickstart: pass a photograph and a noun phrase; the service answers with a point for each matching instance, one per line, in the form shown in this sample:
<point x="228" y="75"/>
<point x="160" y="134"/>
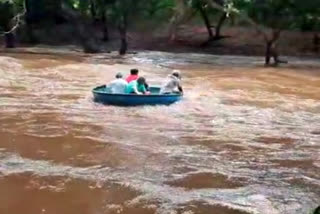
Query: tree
<point x="9" y="22"/>
<point x="182" y="13"/>
<point x="275" y="16"/>
<point x="187" y="9"/>
<point x="203" y="8"/>
<point x="101" y="13"/>
<point x="268" y="17"/>
<point x="308" y="13"/>
<point x="103" y="8"/>
<point x="121" y="11"/>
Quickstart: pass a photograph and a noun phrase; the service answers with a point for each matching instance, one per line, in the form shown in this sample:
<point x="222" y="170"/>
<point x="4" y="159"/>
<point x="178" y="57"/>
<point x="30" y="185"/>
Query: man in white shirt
<point x="118" y="86"/>
<point x="172" y="84"/>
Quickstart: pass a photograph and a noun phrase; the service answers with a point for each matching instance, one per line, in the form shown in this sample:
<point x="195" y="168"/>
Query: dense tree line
<point x="268" y="17"/>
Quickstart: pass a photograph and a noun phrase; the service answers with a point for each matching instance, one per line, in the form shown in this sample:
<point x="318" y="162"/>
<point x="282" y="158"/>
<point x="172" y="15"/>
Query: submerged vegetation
<point x="269" y="18"/>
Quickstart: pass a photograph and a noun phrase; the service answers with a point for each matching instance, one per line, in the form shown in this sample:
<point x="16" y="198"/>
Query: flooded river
<point x="245" y="139"/>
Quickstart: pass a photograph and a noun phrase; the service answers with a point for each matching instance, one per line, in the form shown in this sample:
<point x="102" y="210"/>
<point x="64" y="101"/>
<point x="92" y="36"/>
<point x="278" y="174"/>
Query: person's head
<point x="119" y="75"/>
<point x="134" y="71"/>
<point x="176" y="73"/>
<point x="141" y="80"/>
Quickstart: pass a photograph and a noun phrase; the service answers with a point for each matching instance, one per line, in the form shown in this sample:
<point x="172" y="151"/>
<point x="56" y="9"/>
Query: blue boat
<point x="102" y="95"/>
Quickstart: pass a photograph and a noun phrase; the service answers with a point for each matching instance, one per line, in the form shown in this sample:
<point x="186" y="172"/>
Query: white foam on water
<point x="196" y="133"/>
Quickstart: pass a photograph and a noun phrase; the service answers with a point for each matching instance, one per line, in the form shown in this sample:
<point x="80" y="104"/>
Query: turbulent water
<point x="245" y="139"/>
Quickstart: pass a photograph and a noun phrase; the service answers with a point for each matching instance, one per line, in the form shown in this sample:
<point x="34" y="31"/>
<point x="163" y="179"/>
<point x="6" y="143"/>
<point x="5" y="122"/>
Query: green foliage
<point x="156" y="8"/>
<point x="308" y="13"/>
<point x="281" y="14"/>
<point x="120" y="11"/>
<point x="275" y="14"/>
<point x="271" y="13"/>
<point x="83" y="6"/>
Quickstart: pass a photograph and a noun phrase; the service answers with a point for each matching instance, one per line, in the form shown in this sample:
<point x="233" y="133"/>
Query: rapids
<point x="245" y="139"/>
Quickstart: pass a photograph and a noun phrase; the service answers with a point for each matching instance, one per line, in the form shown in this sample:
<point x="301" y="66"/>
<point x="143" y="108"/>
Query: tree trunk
<point x="123" y="34"/>
<point x="275" y="55"/>
<point x="88" y="41"/>
<point x="182" y="14"/>
<point x="271" y="49"/>
<point x="7" y="13"/>
<point x="28" y="20"/>
<point x="31" y="37"/>
<point x="268" y="53"/>
<point x="206" y="20"/>
<point x="272" y="52"/>
<point x="85" y="35"/>
<point x="105" y="28"/>
<point x="27" y="6"/>
<point x="8" y="37"/>
<point x="9" y="40"/>
<point x="124" y="44"/>
<point x="222" y="19"/>
<point x="316" y="42"/>
<point x="93" y="11"/>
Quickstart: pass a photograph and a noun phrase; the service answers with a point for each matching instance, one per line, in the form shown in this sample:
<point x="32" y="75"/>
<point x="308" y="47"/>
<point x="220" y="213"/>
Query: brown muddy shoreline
<point x="242" y="41"/>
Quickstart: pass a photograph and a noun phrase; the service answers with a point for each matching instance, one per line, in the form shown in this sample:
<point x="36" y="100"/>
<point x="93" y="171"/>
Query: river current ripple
<point x="245" y="139"/>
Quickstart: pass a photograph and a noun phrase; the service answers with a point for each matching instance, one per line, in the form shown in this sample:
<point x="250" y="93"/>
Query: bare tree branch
<point x="17" y="20"/>
<point x="244" y="16"/>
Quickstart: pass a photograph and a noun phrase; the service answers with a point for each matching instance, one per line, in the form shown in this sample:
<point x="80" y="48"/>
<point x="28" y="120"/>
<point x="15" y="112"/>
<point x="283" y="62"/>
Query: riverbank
<point x="75" y="53"/>
<point x="242" y="41"/>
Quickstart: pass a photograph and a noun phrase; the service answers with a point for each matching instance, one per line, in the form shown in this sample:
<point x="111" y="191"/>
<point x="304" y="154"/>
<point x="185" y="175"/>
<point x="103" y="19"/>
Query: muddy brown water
<point x="245" y="139"/>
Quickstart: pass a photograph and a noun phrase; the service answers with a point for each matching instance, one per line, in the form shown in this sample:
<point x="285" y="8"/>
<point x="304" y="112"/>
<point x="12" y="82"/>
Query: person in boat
<point x="119" y="85"/>
<point x="134" y="75"/>
<point x="172" y="83"/>
<point x="137" y="86"/>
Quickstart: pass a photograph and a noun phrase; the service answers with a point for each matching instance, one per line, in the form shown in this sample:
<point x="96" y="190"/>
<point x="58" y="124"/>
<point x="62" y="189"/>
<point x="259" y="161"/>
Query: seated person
<point x="118" y="86"/>
<point x="172" y="84"/>
<point x="134" y="75"/>
<point x="137" y="86"/>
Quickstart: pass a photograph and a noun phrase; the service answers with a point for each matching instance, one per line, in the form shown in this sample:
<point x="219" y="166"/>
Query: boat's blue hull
<point x="101" y="95"/>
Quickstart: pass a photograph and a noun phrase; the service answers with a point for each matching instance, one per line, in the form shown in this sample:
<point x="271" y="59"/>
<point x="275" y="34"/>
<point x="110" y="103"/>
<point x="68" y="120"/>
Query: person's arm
<point x="135" y="89"/>
<point x="180" y="88"/>
<point x="146" y="85"/>
<point x="143" y="89"/>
